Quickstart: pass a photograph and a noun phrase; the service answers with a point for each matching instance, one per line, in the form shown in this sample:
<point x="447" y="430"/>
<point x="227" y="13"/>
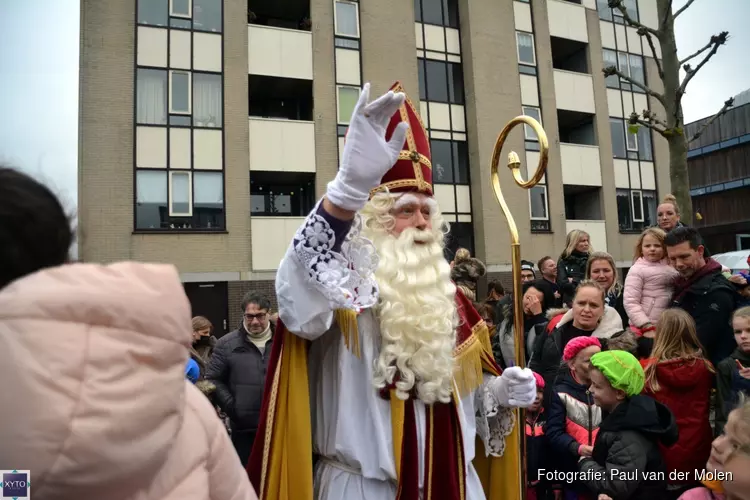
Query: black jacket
<point x="711" y="300"/>
<point x="628" y="440"/>
<point x="238" y="369"/>
<point x="573" y="266"/>
<point x="729" y="384"/>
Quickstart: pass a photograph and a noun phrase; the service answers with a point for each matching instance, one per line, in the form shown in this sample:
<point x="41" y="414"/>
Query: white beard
<point x="417" y="313"/>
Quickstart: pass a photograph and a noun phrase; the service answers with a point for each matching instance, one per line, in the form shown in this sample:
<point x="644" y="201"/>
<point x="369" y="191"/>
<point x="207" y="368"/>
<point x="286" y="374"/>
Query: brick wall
<point x="238" y="289"/>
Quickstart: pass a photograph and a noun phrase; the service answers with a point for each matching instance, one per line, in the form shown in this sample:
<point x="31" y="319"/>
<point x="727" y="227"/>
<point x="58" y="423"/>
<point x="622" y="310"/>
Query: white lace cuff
<point x="494" y="422"/>
<point x="345" y="277"/>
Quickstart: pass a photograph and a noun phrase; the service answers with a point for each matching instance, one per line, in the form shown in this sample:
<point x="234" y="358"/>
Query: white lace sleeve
<point x="345" y="277"/>
<point x="494" y="422"/>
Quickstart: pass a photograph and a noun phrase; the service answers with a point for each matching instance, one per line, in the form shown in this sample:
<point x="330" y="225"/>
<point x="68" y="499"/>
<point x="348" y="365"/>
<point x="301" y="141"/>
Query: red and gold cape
<point x="280" y="465"/>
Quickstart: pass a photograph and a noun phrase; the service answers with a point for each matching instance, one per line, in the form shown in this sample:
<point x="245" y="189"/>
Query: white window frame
<point x="338" y="104"/>
<point x="172" y="12"/>
<point x="628" y="135"/>
<point x="528" y="132"/>
<point x="189" y="213"/>
<point x="518" y="48"/>
<point x="546" y="204"/>
<point x="190" y="93"/>
<point x="626" y="69"/>
<point x="336" y="21"/>
<point x="632" y="204"/>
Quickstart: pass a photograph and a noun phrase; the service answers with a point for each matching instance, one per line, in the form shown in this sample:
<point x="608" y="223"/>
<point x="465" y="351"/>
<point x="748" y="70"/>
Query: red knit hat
<point x="539" y="380"/>
<point x="578" y="344"/>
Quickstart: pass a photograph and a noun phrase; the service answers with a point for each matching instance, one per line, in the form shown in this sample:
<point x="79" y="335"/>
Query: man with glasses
<point x="238" y="369"/>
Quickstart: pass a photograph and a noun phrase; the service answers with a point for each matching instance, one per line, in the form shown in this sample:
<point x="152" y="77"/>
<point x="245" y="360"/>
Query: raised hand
<point x="367" y="156"/>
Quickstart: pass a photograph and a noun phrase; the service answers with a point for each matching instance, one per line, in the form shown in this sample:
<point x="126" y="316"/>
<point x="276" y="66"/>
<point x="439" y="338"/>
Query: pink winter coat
<point x="648" y="291"/>
<point x="95" y="401"/>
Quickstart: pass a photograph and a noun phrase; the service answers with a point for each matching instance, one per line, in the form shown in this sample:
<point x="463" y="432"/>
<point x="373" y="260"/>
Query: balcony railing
<point x="574" y="91"/>
<point x="281" y="52"/>
<point x="581" y="165"/>
<point x="282" y="145"/>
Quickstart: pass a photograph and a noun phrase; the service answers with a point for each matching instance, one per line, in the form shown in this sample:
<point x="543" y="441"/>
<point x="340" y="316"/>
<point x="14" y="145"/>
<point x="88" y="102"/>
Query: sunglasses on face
<point x="258" y="316"/>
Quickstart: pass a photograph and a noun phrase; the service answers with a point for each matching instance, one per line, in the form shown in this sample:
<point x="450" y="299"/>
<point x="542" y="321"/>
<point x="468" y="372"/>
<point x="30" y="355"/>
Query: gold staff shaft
<point x="515" y="247"/>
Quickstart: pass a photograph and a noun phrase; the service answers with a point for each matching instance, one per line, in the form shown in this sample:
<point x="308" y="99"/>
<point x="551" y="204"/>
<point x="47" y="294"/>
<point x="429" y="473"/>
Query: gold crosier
<point x="515" y="247"/>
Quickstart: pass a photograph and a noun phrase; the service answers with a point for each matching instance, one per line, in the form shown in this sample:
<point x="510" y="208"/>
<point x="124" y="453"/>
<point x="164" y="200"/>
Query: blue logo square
<point x="15" y="484"/>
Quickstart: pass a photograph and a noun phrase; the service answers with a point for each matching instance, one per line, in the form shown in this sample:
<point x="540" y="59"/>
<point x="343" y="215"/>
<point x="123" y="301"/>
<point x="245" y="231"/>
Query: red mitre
<point x="412" y="172"/>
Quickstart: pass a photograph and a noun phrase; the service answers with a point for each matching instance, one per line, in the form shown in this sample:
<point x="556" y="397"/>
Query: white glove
<point x="515" y="387"/>
<point x="367" y="156"/>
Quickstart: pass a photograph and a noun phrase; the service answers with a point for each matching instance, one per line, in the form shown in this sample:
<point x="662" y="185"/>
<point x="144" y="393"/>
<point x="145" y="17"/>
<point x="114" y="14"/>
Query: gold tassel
<point x="347" y="321"/>
<point x="468" y="357"/>
<point x="483" y="333"/>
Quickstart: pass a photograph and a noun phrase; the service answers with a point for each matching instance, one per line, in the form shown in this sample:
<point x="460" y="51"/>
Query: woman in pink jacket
<point x="95" y="401"/>
<point x="649" y="285"/>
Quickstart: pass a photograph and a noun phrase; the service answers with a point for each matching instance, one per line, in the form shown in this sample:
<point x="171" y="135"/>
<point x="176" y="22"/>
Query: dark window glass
<point x="208" y="105"/>
<point x="432" y="12"/>
<point x="417" y="11"/>
<point x="532" y="145"/>
<point x="151" y="199"/>
<point x="637" y="205"/>
<point x="180" y="120"/>
<point x="151" y="100"/>
<point x="181" y="8"/>
<point x="649" y="208"/>
<point x="631" y="7"/>
<point x="437" y="81"/>
<point x="422" y="87"/>
<point x="207" y="15"/>
<point x="538" y="202"/>
<point x="627" y="210"/>
<point x="455" y="83"/>
<point x="624" y="217"/>
<point x="461" y="162"/>
<point x="617" y="129"/>
<point x="526" y="70"/>
<point x="346" y="43"/>
<point x="636" y="70"/>
<point x="285" y="196"/>
<point x="180" y="23"/>
<point x="208" y="200"/>
<point x="461" y="235"/>
<point x="153" y="12"/>
<point x="442" y="162"/>
<point x="644" y="144"/>
<point x="604" y="11"/>
<point x="450" y="10"/>
<point x="610" y="59"/>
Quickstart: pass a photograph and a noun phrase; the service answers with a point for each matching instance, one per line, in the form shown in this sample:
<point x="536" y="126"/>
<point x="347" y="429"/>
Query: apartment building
<point x="208" y="128"/>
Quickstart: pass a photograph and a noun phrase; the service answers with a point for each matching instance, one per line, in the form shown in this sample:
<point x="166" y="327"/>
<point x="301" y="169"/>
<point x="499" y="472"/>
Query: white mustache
<point x="412" y="235"/>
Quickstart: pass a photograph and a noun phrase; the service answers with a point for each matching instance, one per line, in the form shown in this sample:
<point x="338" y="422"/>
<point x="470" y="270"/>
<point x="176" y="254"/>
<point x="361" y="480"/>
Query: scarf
<point x="260" y="340"/>
<point x="683" y="285"/>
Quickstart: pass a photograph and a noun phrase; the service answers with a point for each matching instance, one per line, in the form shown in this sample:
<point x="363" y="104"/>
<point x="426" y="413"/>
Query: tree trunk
<point x="677" y="141"/>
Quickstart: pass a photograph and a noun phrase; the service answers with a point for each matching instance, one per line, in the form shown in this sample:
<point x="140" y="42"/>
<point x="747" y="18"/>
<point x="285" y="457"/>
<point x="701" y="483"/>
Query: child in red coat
<point x="680" y="377"/>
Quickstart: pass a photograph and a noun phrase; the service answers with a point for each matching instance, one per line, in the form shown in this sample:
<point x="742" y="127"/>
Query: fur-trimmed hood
<point x="610" y="323"/>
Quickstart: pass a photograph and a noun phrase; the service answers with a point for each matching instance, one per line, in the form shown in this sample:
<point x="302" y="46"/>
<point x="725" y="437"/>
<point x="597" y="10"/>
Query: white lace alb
<point x="494" y="422"/>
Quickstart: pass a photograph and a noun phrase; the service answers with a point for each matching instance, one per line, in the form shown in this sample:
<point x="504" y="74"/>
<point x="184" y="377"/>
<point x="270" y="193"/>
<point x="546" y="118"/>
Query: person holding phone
<point x="733" y="373"/>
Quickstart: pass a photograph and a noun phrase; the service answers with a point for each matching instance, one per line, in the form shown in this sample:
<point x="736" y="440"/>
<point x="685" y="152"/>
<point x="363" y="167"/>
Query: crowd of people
<point x="381" y="376"/>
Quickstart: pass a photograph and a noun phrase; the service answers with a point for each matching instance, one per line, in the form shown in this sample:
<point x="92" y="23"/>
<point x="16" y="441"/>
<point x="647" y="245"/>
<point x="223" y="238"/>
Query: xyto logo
<point x="16" y="484"/>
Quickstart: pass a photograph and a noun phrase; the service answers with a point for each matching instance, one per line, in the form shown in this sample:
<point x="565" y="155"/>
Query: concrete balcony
<point x="271" y="237"/>
<point x="280" y="52"/>
<point x="595" y="228"/>
<point x="567" y="20"/>
<point x="282" y="145"/>
<point x="581" y="165"/>
<point x="574" y="91"/>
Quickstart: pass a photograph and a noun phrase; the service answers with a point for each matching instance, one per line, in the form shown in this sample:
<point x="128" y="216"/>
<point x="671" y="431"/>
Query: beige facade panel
<point x="347" y="67"/>
<point x="207" y="149"/>
<point x="635" y="178"/>
<point x="458" y="118"/>
<point x="424" y="114"/>
<point x="445" y="197"/>
<point x="282" y="145"/>
<point x="434" y="38"/>
<point x="596" y="229"/>
<point x="179" y="49"/>
<point x="439" y="134"/>
<point x="463" y="218"/>
<point x="614" y="103"/>
<point x="589" y="4"/>
<point x="151" y="147"/>
<point x="459" y="136"/>
<point x="440" y="116"/>
<point x="180" y="148"/>
<point x="454" y="58"/>
<point x="452" y="41"/>
<point x="574" y="91"/>
<point x="463" y="199"/>
<point x="152" y="46"/>
<point x="567" y="20"/>
<point x="206" y="52"/>
<point x="622" y="178"/>
<point x="529" y="90"/>
<point x="640" y="102"/>
<point x="634" y="41"/>
<point x="627" y="103"/>
<point x="608" y="35"/>
<point x="532" y="160"/>
<point x="621" y="37"/>
<point x="438" y="56"/>
<point x="418" y="35"/>
<point x="270" y="239"/>
<point x="450" y="218"/>
<point x="522" y="16"/>
<point x="279" y="52"/>
<point x="581" y="165"/>
<point x="648" y="176"/>
<point x="647" y="13"/>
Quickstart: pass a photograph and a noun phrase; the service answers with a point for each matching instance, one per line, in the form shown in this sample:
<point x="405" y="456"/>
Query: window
<point x="450" y="162"/>
<point x="535" y="114"/>
<point x="153" y="12"/>
<point x="450" y="13"/>
<point x="644" y="144"/>
<point x="636" y="209"/>
<point x="283" y="194"/>
<point x="525" y="43"/>
<point x="437" y="81"/>
<point x="617" y="129"/>
<point x="208" y="200"/>
<point x="632" y="140"/>
<point x="151" y="104"/>
<point x="347" y="98"/>
<point x="432" y="12"/>
<point x="455" y="83"/>
<point x="440" y="81"/>
<point x="347" y="19"/>
<point x="461" y="162"/>
<point x="422" y="79"/>
<point x="207" y="100"/>
<point x="440" y="12"/>
<point x="418" y="11"/>
<point x="179" y="194"/>
<point x="602" y="6"/>
<point x="460" y="235"/>
<point x="637" y="204"/>
<point x="179" y="95"/>
<point x="622" y="63"/>
<point x="180" y="8"/>
<point x="538" y="202"/>
<point x="207" y="15"/>
<point x="610" y="60"/>
<point x="630" y="7"/>
<point x="636" y="70"/>
<point x="151" y="199"/>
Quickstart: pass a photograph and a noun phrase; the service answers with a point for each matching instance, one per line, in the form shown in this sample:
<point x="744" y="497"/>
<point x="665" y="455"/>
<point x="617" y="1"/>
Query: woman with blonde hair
<point x="601" y="268"/>
<point x="680" y="377"/>
<point x="668" y="217"/>
<point x="571" y="266"/>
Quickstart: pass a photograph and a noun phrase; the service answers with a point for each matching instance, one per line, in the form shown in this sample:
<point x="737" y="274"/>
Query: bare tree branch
<point x="661" y="131"/>
<point x="697" y="53"/>
<point x="727" y="104"/>
<point x="717" y="41"/>
<point x="652" y="117"/>
<point x="653" y="51"/>
<point x="617" y="4"/>
<point x="611" y="70"/>
<point x="683" y="8"/>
